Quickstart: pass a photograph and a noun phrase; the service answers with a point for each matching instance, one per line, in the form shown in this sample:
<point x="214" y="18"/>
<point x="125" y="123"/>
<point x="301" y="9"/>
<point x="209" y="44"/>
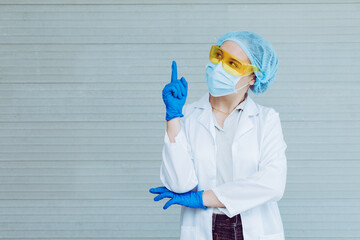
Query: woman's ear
<point x="253" y="79"/>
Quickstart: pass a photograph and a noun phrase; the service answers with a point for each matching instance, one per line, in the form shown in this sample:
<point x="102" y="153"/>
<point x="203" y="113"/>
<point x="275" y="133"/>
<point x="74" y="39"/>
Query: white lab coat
<point x="259" y="170"/>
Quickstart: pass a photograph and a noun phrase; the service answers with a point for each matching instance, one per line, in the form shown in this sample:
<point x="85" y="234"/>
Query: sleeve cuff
<point x="178" y="137"/>
<point x="228" y="210"/>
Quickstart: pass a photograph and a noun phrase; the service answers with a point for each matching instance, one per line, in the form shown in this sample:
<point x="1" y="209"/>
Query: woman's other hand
<point x="189" y="199"/>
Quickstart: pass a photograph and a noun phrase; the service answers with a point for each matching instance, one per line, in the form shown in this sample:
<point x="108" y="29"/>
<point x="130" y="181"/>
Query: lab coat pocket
<point x="187" y="232"/>
<point x="277" y="236"/>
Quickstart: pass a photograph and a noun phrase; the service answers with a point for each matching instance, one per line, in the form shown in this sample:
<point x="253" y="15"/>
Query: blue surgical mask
<point x="221" y="83"/>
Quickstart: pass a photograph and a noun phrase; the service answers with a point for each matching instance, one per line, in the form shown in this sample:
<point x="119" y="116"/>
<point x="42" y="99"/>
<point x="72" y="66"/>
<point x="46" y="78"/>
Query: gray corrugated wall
<point x="82" y="118"/>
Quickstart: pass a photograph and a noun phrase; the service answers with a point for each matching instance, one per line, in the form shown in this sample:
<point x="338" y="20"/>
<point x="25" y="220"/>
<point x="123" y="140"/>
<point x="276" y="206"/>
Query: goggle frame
<point x="228" y="60"/>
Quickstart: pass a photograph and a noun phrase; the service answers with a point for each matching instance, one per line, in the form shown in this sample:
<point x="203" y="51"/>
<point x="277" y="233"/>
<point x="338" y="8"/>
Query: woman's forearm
<point x="173" y="128"/>
<point x="210" y="199"/>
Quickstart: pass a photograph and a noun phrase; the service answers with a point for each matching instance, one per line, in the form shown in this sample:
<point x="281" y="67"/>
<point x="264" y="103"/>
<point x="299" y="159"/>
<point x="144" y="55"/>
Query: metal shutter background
<point x="82" y="118"/>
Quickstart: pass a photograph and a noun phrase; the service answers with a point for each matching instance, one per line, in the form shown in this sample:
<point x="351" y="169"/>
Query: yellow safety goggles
<point x="230" y="63"/>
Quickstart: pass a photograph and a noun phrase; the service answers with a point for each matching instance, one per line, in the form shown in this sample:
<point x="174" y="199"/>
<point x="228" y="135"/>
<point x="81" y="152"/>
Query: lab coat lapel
<point x="205" y="117"/>
<point x="246" y="119"/>
<point x="246" y="122"/>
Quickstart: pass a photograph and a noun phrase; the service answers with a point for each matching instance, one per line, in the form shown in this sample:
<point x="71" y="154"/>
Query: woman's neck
<point x="227" y="103"/>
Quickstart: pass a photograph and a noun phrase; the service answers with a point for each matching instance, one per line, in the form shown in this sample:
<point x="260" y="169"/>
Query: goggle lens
<point x="230" y="64"/>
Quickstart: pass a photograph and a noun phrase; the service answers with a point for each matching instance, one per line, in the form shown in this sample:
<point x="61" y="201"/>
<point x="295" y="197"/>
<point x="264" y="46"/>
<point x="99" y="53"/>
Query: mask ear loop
<point x="237" y="89"/>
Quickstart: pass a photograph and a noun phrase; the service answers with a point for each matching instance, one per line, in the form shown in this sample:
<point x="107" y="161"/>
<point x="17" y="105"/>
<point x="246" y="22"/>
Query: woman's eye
<point x="233" y="64"/>
<point x="218" y="55"/>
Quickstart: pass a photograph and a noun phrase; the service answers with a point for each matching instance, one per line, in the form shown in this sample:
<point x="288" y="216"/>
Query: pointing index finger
<point x="174" y="72"/>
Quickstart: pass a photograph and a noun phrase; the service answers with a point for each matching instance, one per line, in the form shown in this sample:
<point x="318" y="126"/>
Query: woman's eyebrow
<point x="234" y="57"/>
<point x="238" y="59"/>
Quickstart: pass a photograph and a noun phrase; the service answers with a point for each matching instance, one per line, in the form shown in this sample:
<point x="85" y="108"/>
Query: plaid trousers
<point x="225" y="228"/>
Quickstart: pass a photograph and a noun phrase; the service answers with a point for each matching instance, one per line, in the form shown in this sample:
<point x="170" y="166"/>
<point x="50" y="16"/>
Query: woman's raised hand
<point x="174" y="95"/>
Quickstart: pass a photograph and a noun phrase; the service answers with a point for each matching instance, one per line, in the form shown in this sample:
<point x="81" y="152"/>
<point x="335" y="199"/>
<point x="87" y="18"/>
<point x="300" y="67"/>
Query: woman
<point x="224" y="156"/>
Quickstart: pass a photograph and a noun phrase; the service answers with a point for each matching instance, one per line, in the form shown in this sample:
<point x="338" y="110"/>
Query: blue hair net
<point x="261" y="54"/>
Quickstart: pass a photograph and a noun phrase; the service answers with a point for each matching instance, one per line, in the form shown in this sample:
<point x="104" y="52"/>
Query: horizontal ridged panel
<point x="82" y="118"/>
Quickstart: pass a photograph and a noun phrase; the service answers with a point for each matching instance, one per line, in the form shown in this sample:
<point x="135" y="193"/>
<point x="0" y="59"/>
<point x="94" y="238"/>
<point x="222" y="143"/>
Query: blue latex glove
<point x="188" y="199"/>
<point x="174" y="95"/>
